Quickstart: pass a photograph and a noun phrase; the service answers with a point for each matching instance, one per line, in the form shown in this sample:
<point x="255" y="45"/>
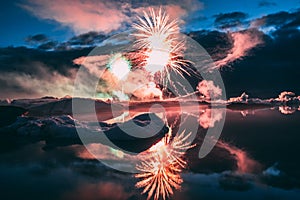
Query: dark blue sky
<point x="18" y="23"/>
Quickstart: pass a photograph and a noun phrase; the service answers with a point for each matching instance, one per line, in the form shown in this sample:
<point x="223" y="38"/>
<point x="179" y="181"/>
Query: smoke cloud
<point x="209" y="90"/>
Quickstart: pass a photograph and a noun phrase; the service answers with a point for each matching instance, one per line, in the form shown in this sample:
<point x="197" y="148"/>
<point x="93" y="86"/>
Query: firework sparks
<point x="157" y="36"/>
<point x="161" y="166"/>
<point x="119" y="66"/>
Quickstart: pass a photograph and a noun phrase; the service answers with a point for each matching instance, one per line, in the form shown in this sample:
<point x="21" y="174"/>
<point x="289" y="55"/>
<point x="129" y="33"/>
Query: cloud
<point x="187" y="5"/>
<point x="28" y="73"/>
<point x="80" y="16"/>
<point x="41" y="41"/>
<point x="95" y="65"/>
<point x="274" y="66"/>
<point x="174" y="11"/>
<point x="105" y="190"/>
<point x="102" y="16"/>
<point x="229" y="20"/>
<point x="276" y="19"/>
<point x="286" y="20"/>
<point x="243" y="41"/>
<point x="209" y="90"/>
<point x="90" y="38"/>
<point x="136" y="83"/>
<point x="148" y="91"/>
<point x="38" y="38"/>
<point x="48" y="45"/>
<point x="42" y="83"/>
<point x="20" y="59"/>
<point x="245" y="164"/>
<point x="216" y="43"/>
<point x="266" y="4"/>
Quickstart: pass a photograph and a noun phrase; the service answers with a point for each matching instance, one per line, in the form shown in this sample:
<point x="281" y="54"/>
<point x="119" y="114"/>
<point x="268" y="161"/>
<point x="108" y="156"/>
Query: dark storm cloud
<point x="28" y="72"/>
<point x="38" y="38"/>
<point x="47" y="45"/>
<point x="90" y="38"/>
<point x="40" y="41"/>
<point x="19" y="59"/>
<point x="216" y="43"/>
<point x="228" y="20"/>
<point x="266" y="4"/>
<point x="280" y="19"/>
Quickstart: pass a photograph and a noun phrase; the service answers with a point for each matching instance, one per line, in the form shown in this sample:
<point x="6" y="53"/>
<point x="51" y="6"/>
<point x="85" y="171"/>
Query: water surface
<point x="257" y="156"/>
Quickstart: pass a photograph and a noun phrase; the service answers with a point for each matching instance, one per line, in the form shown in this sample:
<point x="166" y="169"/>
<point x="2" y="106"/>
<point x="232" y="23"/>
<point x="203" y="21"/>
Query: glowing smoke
<point x="117" y="79"/>
<point x="209" y="90"/>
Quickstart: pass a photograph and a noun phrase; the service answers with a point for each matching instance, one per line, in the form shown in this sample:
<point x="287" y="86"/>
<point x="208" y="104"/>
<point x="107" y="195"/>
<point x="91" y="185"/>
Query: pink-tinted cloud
<point x="100" y="15"/>
<point x="242" y="43"/>
<point x="148" y="91"/>
<point x="80" y="16"/>
<point x="209" y="90"/>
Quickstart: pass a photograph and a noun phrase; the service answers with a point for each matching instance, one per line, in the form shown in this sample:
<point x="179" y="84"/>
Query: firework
<point x="119" y="66"/>
<point x="158" y="37"/>
<point x="161" y="166"/>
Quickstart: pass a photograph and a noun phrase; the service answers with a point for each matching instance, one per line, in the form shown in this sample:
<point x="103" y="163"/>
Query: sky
<point x="21" y="19"/>
<point x="254" y="43"/>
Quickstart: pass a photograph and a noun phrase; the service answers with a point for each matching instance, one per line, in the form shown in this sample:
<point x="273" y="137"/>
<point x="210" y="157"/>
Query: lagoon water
<point x="256" y="156"/>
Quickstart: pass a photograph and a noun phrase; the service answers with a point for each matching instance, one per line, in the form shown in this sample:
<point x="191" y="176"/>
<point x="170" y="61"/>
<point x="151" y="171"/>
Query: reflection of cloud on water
<point x="208" y="117"/>
<point x="103" y="190"/>
<point x="272" y="171"/>
<point x="287" y="110"/>
<point x="244" y="163"/>
<point x="228" y="185"/>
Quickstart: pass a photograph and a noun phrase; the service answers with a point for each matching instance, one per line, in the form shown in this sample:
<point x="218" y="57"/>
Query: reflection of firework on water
<point x="161" y="166"/>
<point x="158" y="38"/>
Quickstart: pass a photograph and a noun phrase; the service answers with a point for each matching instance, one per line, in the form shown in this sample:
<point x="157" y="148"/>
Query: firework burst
<point x="158" y="38"/>
<point x="161" y="166"/>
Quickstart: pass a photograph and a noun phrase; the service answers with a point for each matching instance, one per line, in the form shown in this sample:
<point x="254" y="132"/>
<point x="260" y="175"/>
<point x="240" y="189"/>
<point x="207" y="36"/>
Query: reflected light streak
<point x="161" y="165"/>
